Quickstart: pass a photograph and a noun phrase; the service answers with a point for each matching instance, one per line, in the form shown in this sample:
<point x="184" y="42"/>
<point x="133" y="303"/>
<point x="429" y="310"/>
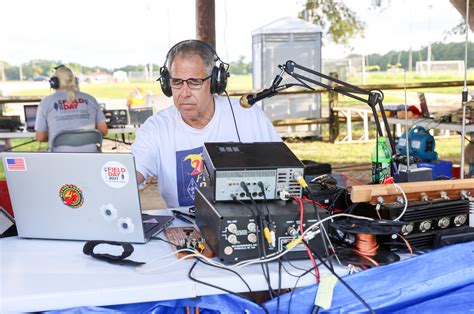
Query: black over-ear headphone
<point x="219" y="73"/>
<point x="54" y="80"/>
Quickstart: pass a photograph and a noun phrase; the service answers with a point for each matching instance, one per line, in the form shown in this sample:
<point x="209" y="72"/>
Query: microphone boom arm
<point x="375" y="97"/>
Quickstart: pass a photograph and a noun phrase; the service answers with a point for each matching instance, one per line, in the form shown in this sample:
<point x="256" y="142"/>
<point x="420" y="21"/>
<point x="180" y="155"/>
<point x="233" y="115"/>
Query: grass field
<point x="244" y="82"/>
<point x="121" y="90"/>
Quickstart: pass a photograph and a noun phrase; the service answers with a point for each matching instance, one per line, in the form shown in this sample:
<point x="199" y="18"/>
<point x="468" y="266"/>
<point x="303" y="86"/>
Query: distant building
<point x="448" y="66"/>
<point x="99" y="77"/>
<point x="120" y="76"/>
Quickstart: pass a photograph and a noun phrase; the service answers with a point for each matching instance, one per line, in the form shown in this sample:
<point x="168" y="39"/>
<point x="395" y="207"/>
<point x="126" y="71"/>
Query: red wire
<point x="351" y="179"/>
<point x="343" y="181"/>
<point x="311" y="201"/>
<point x="335" y="210"/>
<point x="316" y="270"/>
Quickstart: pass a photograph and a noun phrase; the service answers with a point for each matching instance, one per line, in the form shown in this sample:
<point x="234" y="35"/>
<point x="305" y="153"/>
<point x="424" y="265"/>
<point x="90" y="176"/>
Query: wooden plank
<point x="300" y="121"/>
<point x="432" y="195"/>
<point x="366" y="193"/>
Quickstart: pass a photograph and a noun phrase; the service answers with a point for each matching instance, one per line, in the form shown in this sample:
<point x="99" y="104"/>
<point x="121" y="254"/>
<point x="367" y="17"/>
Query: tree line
<point x="440" y="51"/>
<point x="45" y="68"/>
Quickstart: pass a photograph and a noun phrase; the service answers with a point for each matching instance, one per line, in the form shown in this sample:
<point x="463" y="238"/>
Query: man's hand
<point x="140" y="177"/>
<point x="41" y="136"/>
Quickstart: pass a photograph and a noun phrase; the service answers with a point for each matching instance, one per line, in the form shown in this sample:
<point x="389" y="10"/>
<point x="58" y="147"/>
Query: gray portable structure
<point x="288" y="38"/>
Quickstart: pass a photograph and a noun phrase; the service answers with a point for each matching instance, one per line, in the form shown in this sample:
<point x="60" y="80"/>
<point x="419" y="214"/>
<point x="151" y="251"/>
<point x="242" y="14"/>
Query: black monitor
<point x="30" y="117"/>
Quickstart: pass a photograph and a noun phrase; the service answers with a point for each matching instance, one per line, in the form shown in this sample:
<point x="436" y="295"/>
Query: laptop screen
<point x="30" y="116"/>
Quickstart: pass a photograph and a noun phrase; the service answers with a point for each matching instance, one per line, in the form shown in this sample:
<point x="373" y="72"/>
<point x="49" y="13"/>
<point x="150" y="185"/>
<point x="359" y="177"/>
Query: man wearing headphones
<point x="169" y="144"/>
<point x="67" y="109"/>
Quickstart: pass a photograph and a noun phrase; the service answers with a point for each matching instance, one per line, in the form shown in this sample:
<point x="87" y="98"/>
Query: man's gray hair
<point x="191" y="48"/>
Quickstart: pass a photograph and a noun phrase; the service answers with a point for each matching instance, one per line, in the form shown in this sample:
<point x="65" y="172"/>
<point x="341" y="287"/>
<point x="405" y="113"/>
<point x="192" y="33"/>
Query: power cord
<point x="340" y="279"/>
<point x="233" y="116"/>
<point x="324" y="233"/>
<point x="217" y="287"/>
<point x="262" y="250"/>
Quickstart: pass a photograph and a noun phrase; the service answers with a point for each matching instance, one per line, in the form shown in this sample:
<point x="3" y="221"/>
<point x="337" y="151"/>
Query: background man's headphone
<point x="54" y="80"/>
<point x="219" y="73"/>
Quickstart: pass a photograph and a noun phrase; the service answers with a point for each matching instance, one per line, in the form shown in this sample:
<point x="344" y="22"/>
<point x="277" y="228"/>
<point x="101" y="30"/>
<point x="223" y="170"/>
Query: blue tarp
<point x="440" y="281"/>
<point x="427" y="283"/>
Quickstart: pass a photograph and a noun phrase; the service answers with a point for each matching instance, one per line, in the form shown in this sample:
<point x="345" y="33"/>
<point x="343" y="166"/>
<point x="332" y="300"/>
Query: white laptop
<point x="78" y="196"/>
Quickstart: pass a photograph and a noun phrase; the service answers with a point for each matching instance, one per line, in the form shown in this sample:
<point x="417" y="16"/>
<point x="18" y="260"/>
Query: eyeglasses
<point x="193" y="83"/>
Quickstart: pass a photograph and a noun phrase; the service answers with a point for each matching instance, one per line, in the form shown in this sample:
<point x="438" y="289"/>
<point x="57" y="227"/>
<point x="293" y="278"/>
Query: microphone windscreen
<point x="244" y="102"/>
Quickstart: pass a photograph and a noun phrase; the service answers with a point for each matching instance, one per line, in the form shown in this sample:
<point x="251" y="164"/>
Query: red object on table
<point x="456" y="171"/>
<point x="5" y="197"/>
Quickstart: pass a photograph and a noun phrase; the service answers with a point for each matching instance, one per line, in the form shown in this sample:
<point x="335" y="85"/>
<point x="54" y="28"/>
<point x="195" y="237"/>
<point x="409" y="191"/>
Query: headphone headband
<point x="203" y="43"/>
<point x="219" y="73"/>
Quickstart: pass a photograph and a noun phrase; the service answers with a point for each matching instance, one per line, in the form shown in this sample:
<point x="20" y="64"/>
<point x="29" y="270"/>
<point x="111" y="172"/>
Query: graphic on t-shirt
<point x="189" y="174"/>
<point x="78" y="109"/>
<point x="65" y="104"/>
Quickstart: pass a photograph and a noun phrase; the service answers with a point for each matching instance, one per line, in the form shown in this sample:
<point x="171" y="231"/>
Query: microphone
<point x="247" y="101"/>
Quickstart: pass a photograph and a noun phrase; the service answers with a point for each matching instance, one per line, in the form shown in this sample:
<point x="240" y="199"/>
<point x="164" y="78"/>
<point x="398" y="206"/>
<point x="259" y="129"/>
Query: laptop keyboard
<point x="148" y="227"/>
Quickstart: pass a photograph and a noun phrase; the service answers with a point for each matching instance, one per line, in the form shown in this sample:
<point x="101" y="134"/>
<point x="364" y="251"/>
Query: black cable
<point x="310" y="270"/>
<point x="254" y="215"/>
<point x="339" y="278"/>
<point x="323" y="232"/>
<point x="315" y="309"/>
<point x="232" y="271"/>
<point x="219" y="288"/>
<point x="262" y="250"/>
<point x="16" y="146"/>
<point x="260" y="184"/>
<point x="233" y="116"/>
<point x="306" y="271"/>
<point x="292" y="292"/>
<point x="338" y="194"/>
<point x="279" y="286"/>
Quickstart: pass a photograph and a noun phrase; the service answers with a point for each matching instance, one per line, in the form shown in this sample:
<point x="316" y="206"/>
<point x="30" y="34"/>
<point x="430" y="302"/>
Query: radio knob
<point x="425" y="225"/>
<point x="252" y="237"/>
<point x="443" y="222"/>
<point x="407" y="229"/>
<point x="460" y="220"/>
<point x="232" y="228"/>
<point x="252" y="227"/>
<point x="232" y="239"/>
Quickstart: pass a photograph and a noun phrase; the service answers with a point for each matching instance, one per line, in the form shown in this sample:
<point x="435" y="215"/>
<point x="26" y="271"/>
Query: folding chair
<point x="78" y="138"/>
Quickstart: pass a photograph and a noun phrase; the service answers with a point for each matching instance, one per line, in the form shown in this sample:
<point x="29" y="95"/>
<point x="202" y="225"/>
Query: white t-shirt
<point x="168" y="148"/>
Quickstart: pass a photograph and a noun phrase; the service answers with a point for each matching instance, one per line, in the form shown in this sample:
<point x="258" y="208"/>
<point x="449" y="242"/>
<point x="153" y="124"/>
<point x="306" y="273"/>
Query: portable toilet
<point x="288" y="38"/>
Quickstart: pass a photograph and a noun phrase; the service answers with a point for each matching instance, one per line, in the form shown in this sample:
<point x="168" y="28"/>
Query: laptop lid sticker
<point x="109" y="212"/>
<point x="71" y="196"/>
<point x="125" y="225"/>
<point x="115" y="174"/>
<point x="15" y="163"/>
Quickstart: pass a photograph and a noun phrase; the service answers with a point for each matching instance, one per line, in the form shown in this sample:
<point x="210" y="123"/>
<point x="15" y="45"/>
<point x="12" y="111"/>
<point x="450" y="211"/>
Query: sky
<point x="115" y="33"/>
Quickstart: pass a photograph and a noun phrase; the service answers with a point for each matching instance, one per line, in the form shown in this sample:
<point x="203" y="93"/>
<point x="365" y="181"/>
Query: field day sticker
<point x="115" y="174"/>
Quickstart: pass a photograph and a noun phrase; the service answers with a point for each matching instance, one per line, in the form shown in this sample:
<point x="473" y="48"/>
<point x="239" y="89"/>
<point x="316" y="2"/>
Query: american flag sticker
<point x="16" y="164"/>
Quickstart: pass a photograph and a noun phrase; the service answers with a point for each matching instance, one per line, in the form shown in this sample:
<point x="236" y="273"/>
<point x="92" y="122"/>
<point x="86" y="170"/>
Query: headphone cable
<point x="233" y="116"/>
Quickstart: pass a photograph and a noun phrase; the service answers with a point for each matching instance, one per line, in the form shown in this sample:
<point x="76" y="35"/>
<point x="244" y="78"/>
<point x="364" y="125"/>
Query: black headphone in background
<point x="54" y="80"/>
<point x="219" y="73"/>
